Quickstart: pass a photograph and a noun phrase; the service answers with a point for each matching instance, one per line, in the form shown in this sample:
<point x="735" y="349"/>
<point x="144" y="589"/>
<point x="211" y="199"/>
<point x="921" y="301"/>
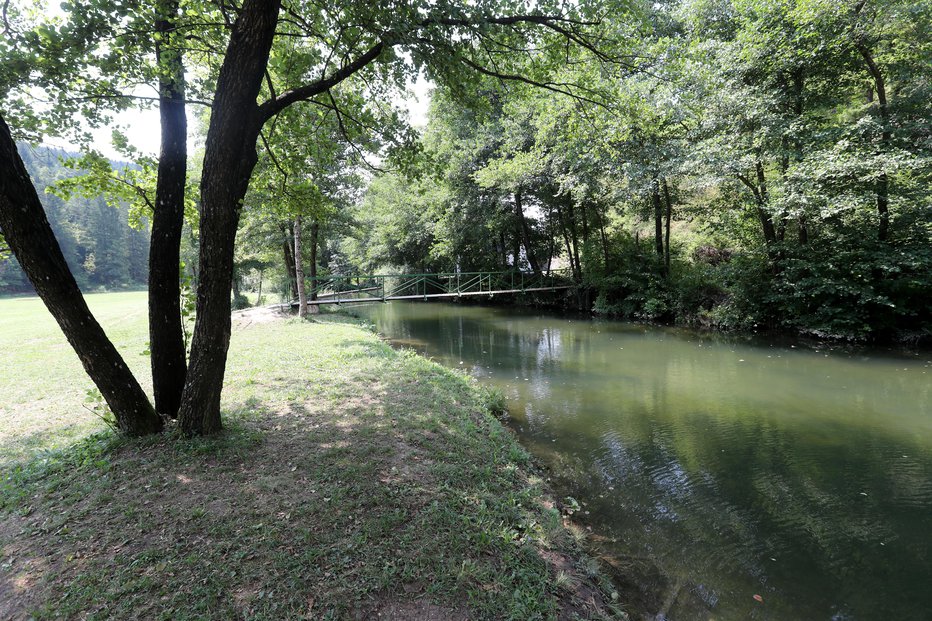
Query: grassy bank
<point x="353" y="481"/>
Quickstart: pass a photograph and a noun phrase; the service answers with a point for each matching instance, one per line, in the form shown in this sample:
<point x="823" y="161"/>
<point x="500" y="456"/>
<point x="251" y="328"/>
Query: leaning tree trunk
<point x="30" y="237"/>
<point x="299" y="268"/>
<point x="166" y="334"/>
<point x="883" y="181"/>
<point x="229" y="158"/>
<point x="571" y="216"/>
<point x="526" y="234"/>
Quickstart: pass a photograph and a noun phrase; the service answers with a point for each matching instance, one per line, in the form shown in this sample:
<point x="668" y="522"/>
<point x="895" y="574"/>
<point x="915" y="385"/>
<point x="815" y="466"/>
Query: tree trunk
<point x="229" y="158"/>
<point x="658" y="217"/>
<point x="669" y="216"/>
<point x="883" y="182"/>
<point x="571" y="214"/>
<point x="566" y="240"/>
<point x="515" y="244"/>
<point x="501" y="236"/>
<point x="28" y="234"/>
<point x="315" y="231"/>
<point x="259" y="295"/>
<point x="288" y="252"/>
<point x="526" y="233"/>
<point x="784" y="169"/>
<point x="604" y="240"/>
<point x="299" y="268"/>
<point x="770" y="233"/>
<point x="166" y="334"/>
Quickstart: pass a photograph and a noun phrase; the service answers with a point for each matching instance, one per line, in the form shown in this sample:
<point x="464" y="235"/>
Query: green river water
<point x="714" y="469"/>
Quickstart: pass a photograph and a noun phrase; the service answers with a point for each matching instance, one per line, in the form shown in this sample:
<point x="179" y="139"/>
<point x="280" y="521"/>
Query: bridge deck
<point x="328" y="299"/>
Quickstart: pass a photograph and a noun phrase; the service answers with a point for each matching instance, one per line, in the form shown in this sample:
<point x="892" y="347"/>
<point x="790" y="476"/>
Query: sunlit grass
<point x="352" y="480"/>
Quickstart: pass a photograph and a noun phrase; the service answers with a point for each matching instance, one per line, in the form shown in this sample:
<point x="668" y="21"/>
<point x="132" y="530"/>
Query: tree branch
<point x="302" y="93"/>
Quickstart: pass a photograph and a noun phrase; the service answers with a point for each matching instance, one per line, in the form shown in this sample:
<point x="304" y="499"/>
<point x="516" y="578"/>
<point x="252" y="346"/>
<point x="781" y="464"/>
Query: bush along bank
<point x="862" y="292"/>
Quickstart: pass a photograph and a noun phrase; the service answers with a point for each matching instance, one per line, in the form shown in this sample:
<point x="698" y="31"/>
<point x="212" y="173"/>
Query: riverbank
<point x="352" y="481"/>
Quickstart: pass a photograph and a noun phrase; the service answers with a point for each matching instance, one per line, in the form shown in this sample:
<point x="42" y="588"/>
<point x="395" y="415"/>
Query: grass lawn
<point x="353" y="481"/>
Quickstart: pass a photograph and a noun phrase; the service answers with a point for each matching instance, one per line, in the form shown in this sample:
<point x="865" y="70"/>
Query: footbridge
<point x="387" y="287"/>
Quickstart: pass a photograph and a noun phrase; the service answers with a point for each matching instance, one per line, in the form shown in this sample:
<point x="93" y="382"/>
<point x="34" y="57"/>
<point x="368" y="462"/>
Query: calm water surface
<point x="712" y="469"/>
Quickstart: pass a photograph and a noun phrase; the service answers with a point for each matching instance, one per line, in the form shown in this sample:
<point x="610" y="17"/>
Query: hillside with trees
<point x="106" y="246"/>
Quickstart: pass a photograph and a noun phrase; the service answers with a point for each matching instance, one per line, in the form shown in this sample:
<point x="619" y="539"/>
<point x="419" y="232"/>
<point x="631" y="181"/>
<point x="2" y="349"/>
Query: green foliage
<point x="95" y="404"/>
<point x="632" y="287"/>
<point x="755" y="127"/>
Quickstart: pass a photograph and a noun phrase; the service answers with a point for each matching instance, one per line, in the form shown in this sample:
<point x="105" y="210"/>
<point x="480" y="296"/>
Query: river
<point x="727" y="478"/>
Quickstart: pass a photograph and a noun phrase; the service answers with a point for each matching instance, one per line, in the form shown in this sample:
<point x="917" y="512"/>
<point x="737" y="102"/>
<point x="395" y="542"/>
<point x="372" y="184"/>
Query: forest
<point x="750" y="166"/>
<point x="106" y="247"/>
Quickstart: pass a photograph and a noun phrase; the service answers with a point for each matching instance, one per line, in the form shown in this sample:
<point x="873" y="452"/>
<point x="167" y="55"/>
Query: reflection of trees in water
<point x="718" y="466"/>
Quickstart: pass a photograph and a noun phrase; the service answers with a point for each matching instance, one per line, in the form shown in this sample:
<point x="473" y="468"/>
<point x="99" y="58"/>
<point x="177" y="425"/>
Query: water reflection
<point x="739" y="469"/>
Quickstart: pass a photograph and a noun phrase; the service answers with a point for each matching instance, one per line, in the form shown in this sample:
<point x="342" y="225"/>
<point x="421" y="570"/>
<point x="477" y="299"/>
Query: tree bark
<point x="501" y="236"/>
<point x="658" y="217"/>
<point x="229" y="158"/>
<point x="28" y="234"/>
<point x="166" y="334"/>
<point x="571" y="215"/>
<point x="883" y="182"/>
<point x="313" y="309"/>
<point x="669" y="216"/>
<point x="299" y="268"/>
<point x="551" y="236"/>
<point x="602" y="236"/>
<point x="770" y="233"/>
<point x="761" y="198"/>
<point x="566" y="240"/>
<point x="526" y="233"/>
<point x="288" y="252"/>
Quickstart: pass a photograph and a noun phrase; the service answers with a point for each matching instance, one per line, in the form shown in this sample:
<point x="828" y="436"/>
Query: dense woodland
<point x="103" y="249"/>
<point x="755" y="165"/>
<point x="742" y="164"/>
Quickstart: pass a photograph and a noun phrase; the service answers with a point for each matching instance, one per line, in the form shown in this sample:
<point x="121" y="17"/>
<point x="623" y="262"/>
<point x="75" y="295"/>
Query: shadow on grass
<point x="403" y="500"/>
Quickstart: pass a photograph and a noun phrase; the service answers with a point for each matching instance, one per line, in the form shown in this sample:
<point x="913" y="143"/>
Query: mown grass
<point x="352" y="481"/>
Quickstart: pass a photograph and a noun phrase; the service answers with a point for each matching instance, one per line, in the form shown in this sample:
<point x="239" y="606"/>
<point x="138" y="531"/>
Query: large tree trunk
<point x="229" y="159"/>
<point x="526" y="233"/>
<point x="30" y="237"/>
<point x="166" y="334"/>
<point x="313" y="309"/>
<point x="883" y="182"/>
